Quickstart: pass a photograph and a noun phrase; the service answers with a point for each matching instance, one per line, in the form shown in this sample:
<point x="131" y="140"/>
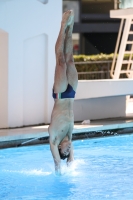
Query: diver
<point x="64" y="89"/>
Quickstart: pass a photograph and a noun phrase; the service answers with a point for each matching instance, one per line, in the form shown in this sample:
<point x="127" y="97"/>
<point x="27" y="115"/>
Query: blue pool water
<point x="103" y="169"/>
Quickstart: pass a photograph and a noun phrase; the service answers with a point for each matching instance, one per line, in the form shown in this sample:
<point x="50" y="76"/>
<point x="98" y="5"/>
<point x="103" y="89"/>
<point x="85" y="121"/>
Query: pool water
<point x="103" y="169"/>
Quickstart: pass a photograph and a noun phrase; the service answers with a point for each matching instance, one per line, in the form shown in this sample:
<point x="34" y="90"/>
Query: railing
<point x="91" y="70"/>
<point x="116" y="4"/>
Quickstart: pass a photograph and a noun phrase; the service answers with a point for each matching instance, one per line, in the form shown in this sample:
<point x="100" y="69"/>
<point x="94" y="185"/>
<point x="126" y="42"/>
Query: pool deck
<point x="14" y="136"/>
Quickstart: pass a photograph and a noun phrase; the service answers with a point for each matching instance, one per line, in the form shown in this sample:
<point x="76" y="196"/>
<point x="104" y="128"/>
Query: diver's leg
<point x="71" y="71"/>
<point x="60" y="80"/>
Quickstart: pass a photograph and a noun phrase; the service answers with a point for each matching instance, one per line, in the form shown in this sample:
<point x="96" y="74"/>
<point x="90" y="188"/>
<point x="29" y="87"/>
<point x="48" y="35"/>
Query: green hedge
<point x="98" y="57"/>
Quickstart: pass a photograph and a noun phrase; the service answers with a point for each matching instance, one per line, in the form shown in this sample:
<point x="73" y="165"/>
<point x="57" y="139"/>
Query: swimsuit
<point x="69" y="93"/>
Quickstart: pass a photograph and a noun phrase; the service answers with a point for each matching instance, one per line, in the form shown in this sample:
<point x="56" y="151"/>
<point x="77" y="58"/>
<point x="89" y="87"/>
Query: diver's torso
<point x="62" y="119"/>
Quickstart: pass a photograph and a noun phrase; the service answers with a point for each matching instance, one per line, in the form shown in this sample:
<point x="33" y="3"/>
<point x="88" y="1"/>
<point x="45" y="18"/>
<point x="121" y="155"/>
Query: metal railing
<point x="116" y="4"/>
<point x="91" y="70"/>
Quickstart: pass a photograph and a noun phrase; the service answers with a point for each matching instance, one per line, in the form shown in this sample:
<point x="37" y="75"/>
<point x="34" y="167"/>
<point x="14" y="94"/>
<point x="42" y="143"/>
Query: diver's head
<point x="64" y="149"/>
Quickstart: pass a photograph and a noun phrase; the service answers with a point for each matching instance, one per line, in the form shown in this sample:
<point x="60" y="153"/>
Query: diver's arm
<point x="71" y="156"/>
<point x="56" y="157"/>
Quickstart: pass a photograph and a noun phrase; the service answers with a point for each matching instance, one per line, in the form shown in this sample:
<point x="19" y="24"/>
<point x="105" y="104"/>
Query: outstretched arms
<point x="57" y="160"/>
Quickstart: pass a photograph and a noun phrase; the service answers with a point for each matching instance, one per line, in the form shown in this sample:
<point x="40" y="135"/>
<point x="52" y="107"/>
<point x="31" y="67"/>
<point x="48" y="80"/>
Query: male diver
<point x="64" y="89"/>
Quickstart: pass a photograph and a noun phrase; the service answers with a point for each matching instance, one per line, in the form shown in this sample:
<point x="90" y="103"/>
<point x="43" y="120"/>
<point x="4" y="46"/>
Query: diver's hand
<point x="57" y="169"/>
<point x="58" y="172"/>
<point x="69" y="162"/>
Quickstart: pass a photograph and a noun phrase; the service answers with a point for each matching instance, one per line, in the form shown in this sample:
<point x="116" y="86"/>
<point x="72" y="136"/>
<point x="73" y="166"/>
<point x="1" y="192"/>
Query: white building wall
<point x="126" y="4"/>
<point x="37" y="64"/>
<point x="100" y="99"/>
<point x="100" y="108"/>
<point x="3" y="78"/>
<point x="33" y="29"/>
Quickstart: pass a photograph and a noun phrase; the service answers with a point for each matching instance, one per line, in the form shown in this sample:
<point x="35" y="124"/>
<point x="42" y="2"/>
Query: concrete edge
<point x="104" y="127"/>
<point x="80" y="133"/>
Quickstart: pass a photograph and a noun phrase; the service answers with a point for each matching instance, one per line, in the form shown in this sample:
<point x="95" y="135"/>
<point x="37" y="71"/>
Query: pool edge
<point x="84" y="133"/>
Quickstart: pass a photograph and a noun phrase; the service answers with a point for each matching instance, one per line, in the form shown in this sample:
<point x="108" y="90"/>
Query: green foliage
<point x="94" y="66"/>
<point x="98" y="57"/>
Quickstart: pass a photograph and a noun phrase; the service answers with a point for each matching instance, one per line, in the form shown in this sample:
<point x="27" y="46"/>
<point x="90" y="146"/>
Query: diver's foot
<point x="68" y="18"/>
<point x="69" y="28"/>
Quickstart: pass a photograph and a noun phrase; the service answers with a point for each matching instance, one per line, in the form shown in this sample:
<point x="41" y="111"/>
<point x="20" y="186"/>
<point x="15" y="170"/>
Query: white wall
<point x="33" y="29"/>
<point x="103" y="88"/>
<point x="99" y="99"/>
<point x="34" y="79"/>
<point x="3" y="78"/>
<point x="100" y="108"/>
<point x="126" y="4"/>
